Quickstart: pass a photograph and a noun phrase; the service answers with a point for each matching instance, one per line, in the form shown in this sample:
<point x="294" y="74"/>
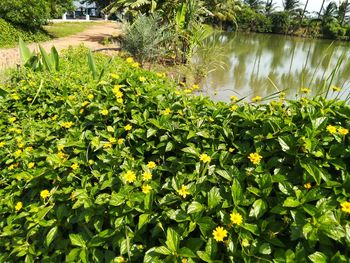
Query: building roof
<point x="79" y="4"/>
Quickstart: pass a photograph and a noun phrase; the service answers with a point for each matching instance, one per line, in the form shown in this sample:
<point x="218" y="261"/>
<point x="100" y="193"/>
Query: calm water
<point x="250" y="60"/>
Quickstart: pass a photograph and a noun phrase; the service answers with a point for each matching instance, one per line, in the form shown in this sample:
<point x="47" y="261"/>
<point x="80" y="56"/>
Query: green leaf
<point x="162" y="250"/>
<point x="84" y="255"/>
<point x="214" y="197"/>
<point x="194" y="207"/>
<point x="55" y="58"/>
<point x="224" y="174"/>
<point x="186" y="252"/>
<point x="143" y="219"/>
<point x="77" y="240"/>
<point x="46" y="59"/>
<point x="73" y="254"/>
<point x="284" y="144"/>
<point x="313" y="170"/>
<point x="259" y="207"/>
<point x="204" y="256"/>
<point x="265" y="249"/>
<point x="51" y="236"/>
<point x="318" y="257"/>
<point x="206" y="225"/>
<point x="251" y="228"/>
<point x="236" y="191"/>
<point x="190" y="150"/>
<point x="24" y="51"/>
<point x="92" y="66"/>
<point x="151" y="132"/>
<point x="172" y="240"/>
<point x="291" y="202"/>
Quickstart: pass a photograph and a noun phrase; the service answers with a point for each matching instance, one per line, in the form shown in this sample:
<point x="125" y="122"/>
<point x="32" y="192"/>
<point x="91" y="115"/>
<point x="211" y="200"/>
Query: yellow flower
<point x="104" y="112"/>
<point x="345" y="207"/>
<point x="75" y="166"/>
<point x="255" y="158"/>
<point x="12" y="119"/>
<point x="67" y="124"/>
<point x="135" y="65"/>
<point x="146" y="189"/>
<point x="119" y="94"/>
<point x="114" y="76"/>
<point x="233" y="107"/>
<point x="142" y="79"/>
<point x="130" y="177"/>
<point x="112" y="140"/>
<point x="195" y="87"/>
<point x="2" y="144"/>
<point x="183" y="84"/>
<point x="245" y="243"/>
<point x="71" y="97"/>
<point x="81" y="111"/>
<point x="54" y="117"/>
<point x="130" y="60"/>
<point x="60" y="147"/>
<point x="121" y="141"/>
<point x="127" y="127"/>
<point x="44" y="194"/>
<point x="204" y="158"/>
<point x="183" y="191"/>
<point x="305" y="90"/>
<point x="18" y="206"/>
<point x="231" y="150"/>
<point x="85" y="103"/>
<point x="20" y="145"/>
<point x="331" y="129"/>
<point x="61" y="155"/>
<point x="219" y="234"/>
<point x="147" y="176"/>
<point x="18" y="153"/>
<point x="233" y="98"/>
<point x="335" y="88"/>
<point x="107" y="145"/>
<point x="184" y="260"/>
<point x="91" y="162"/>
<point x="151" y="165"/>
<point x="343" y="131"/>
<point x="29" y="149"/>
<point x="90" y="96"/>
<point x="256" y="99"/>
<point x="236" y="218"/>
<point x="167" y="111"/>
<point x="31" y="165"/>
<point x="307" y="186"/>
<point x="15" y="96"/>
<point x="188" y="91"/>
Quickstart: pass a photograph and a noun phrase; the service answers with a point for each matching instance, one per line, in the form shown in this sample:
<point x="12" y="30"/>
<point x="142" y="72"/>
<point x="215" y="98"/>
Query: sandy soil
<point x="91" y="38"/>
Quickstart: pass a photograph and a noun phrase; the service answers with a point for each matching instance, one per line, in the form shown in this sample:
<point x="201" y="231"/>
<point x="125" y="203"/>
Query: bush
<point x="131" y="168"/>
<point x="249" y="20"/>
<point x="146" y="38"/>
<point x="333" y="29"/>
<point x="10" y="34"/>
<point x="280" y="22"/>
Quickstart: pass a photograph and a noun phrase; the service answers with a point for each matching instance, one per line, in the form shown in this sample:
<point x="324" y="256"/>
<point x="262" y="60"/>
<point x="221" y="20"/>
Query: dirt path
<point x="90" y="38"/>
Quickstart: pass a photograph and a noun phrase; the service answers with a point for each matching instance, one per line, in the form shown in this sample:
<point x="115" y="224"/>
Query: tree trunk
<point x="319" y="13"/>
<point x="302" y="15"/>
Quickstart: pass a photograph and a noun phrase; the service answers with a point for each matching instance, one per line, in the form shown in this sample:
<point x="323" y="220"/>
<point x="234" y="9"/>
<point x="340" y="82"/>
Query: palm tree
<point x="329" y="12"/>
<point x="256" y="5"/>
<point x="344" y="8"/>
<point x="291" y="5"/>
<point x="303" y="13"/>
<point x="269" y="7"/>
<point x="319" y="13"/>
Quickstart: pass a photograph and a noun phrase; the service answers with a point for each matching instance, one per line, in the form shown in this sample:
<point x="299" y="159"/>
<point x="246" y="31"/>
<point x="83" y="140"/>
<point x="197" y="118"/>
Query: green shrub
<point x="78" y="159"/>
<point x="280" y="22"/>
<point x="333" y="29"/>
<point x="10" y="34"/>
<point x="249" y="20"/>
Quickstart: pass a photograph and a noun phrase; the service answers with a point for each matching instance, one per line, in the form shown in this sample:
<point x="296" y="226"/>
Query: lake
<point x="261" y="64"/>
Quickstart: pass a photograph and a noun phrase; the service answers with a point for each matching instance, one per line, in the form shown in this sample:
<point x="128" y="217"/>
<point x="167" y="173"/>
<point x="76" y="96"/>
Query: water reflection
<point x="256" y="64"/>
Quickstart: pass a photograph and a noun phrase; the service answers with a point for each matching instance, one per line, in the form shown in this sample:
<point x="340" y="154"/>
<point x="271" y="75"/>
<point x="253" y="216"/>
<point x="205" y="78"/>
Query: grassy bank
<point x="57" y="30"/>
<point x="131" y="168"/>
<point x="10" y="34"/>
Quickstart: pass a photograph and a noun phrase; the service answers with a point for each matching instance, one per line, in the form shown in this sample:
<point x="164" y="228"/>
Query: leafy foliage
<point x="87" y="177"/>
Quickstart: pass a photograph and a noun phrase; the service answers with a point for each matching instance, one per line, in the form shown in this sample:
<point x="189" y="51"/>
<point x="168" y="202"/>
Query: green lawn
<point x="67" y="29"/>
